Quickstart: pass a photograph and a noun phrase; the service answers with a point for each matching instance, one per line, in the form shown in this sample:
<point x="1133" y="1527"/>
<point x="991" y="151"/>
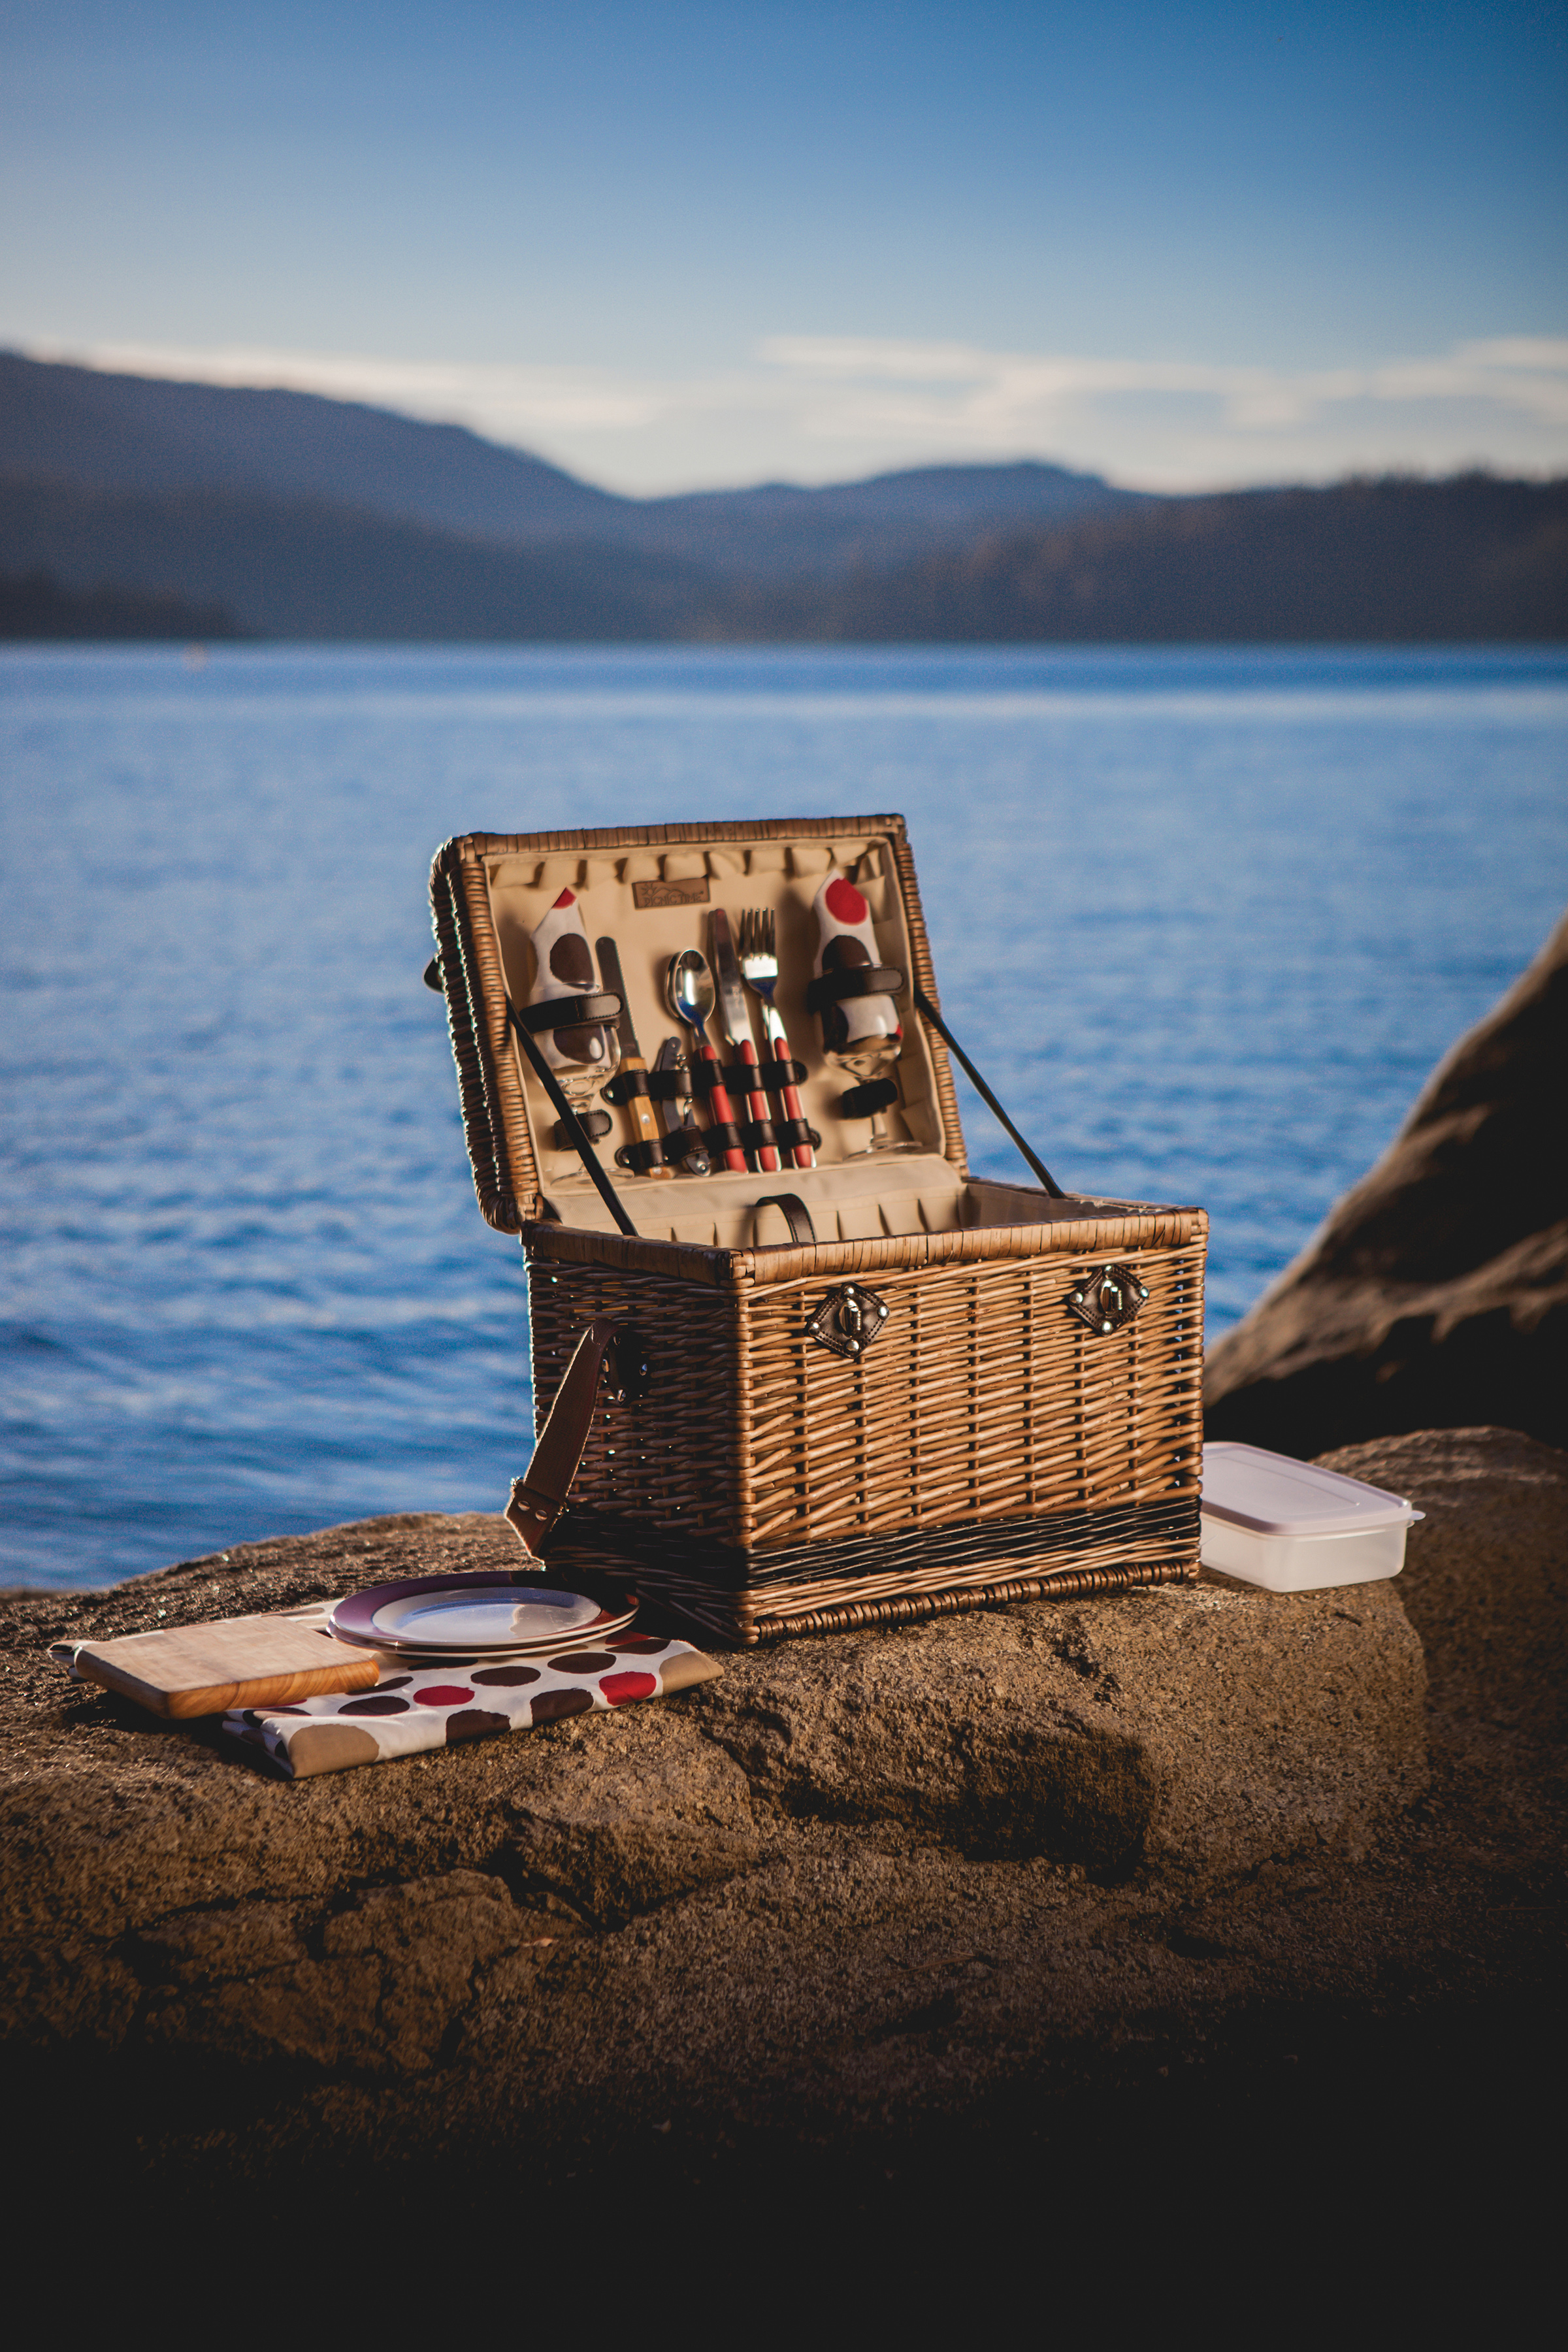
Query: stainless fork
<point x="760" y="964"/>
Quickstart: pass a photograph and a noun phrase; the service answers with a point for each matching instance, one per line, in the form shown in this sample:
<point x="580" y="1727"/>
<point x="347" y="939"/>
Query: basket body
<point x="995" y="1437"/>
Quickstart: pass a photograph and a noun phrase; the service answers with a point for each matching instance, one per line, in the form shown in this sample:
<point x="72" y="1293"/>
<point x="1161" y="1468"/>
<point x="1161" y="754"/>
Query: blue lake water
<point x="1207" y="919"/>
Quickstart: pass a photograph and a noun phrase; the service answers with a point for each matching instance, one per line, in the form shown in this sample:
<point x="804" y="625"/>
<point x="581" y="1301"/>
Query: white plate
<point x="589" y="1637"/>
<point x="461" y="1621"/>
<point x="483" y="1613"/>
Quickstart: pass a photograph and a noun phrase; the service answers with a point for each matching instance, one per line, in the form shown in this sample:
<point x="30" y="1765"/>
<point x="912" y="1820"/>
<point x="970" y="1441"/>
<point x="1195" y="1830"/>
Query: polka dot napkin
<point x="436" y="1705"/>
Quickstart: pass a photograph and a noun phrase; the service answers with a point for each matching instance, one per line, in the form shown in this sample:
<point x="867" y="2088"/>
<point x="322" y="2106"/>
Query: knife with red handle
<point x="738" y="1020"/>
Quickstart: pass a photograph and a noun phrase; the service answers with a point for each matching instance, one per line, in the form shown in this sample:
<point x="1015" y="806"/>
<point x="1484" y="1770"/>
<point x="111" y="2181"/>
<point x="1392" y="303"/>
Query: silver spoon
<point x="689" y="984"/>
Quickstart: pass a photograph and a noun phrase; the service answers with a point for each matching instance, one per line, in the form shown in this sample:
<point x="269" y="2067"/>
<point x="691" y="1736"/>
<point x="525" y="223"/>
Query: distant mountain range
<point x="145" y="439"/>
<point x="283" y="515"/>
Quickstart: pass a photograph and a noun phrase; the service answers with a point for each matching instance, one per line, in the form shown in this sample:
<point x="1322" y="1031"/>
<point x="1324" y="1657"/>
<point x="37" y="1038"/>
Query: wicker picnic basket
<point x="1026" y="1416"/>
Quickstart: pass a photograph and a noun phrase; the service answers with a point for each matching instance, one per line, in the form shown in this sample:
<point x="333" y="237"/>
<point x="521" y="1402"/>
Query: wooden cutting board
<point x="263" y="1661"/>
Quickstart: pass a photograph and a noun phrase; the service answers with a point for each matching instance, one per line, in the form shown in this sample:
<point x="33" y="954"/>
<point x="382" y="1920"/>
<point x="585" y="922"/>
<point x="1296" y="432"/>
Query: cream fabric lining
<point x="926" y="1197"/>
<point x="783" y="875"/>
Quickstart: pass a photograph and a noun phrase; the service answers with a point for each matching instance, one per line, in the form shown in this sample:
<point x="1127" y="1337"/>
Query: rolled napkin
<point x="563" y="966"/>
<point x="440" y="1703"/>
<point x="856" y="1027"/>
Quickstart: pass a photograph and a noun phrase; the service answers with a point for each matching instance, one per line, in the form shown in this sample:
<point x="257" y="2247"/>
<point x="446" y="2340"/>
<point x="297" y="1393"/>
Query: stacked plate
<point x="516" y="1613"/>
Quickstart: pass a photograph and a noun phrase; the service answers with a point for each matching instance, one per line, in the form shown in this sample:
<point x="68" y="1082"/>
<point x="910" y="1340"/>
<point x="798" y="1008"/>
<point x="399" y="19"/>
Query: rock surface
<point x="1196" y="1729"/>
<point x="1014" y="1907"/>
<point x="1437" y="1295"/>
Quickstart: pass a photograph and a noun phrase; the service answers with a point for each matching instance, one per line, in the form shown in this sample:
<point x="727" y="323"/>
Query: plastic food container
<point x="1293" y="1528"/>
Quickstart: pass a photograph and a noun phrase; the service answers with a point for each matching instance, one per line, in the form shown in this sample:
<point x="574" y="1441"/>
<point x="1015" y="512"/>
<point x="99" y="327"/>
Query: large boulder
<point x="1486" y="1575"/>
<point x="1435" y="1296"/>
<point x="160" y="1890"/>
<point x="1046" y="1910"/>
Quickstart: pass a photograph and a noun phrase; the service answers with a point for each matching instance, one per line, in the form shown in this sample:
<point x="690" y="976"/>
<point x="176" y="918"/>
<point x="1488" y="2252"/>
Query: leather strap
<point x="924" y="1006"/>
<point x="595" y="1126"/>
<point x="539" y="1497"/>
<point x="797" y="1217"/>
<point x="854" y="979"/>
<point x="658" y="1086"/>
<point x="570" y="1012"/>
<point x="866" y="1101"/>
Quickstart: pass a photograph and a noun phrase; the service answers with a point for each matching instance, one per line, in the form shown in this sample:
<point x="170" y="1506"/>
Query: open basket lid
<point x="1274" y="1496"/>
<point x="650" y="888"/>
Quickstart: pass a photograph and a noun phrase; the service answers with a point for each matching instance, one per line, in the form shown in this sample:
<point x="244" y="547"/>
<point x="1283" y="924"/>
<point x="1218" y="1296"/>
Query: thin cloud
<point x="814" y="405"/>
<point x="999" y="391"/>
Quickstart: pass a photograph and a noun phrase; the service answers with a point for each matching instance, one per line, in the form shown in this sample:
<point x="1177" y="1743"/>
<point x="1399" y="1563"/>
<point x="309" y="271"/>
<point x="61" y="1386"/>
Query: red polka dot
<point x="845" y="902"/>
<point x="619" y="1688"/>
<point x="565" y="900"/>
<point x="445" y="1695"/>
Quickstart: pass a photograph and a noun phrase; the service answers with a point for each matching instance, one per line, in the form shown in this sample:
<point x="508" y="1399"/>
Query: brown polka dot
<point x="640" y="1644"/>
<point x="379" y="1705"/>
<point x="571" y="961"/>
<point x="584" y="1662"/>
<point x="475" y="1723"/>
<point x="550" y="1706"/>
<point x="506" y="1678"/>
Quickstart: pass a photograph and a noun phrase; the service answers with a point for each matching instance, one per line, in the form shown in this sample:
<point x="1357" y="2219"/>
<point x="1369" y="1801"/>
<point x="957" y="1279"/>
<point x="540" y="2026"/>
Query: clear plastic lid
<point x="1274" y="1496"/>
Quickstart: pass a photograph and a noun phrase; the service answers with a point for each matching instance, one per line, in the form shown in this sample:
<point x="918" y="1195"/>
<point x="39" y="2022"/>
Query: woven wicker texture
<point x="984" y="1404"/>
<point x="987" y="1446"/>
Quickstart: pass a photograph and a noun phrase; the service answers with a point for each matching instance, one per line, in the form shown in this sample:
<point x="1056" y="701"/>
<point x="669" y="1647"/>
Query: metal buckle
<point x="1108" y="1300"/>
<point x="848" y="1319"/>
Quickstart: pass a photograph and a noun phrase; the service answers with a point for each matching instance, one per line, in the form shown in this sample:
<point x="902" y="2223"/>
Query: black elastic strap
<point x="657" y="1086"/>
<point x="924" y="1005"/>
<point x="568" y="1013"/>
<point x="658" y="1150"/>
<point x="796" y="1130"/>
<point x="797" y="1217"/>
<point x="735" y="1078"/>
<point x="596" y="1125"/>
<point x="863" y="1102"/>
<point x="571" y="1124"/>
<point x="855" y="980"/>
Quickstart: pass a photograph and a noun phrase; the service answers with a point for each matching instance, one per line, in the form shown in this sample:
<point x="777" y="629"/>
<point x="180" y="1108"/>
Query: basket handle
<point x="924" y="1005"/>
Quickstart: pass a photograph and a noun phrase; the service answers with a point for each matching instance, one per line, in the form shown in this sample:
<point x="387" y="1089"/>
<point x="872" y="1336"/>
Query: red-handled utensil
<point x="690" y="985"/>
<point x="737" y="1022"/>
<point x="760" y="963"/>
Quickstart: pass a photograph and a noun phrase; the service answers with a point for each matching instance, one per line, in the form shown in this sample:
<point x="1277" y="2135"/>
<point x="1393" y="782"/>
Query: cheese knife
<point x="640" y="1108"/>
<point x="737" y="1019"/>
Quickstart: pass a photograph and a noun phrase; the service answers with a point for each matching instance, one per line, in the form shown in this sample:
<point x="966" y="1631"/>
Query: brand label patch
<point x="691" y="893"/>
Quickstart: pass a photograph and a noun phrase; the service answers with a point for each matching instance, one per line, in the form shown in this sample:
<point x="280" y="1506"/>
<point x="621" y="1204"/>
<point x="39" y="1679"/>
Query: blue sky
<point x="670" y="246"/>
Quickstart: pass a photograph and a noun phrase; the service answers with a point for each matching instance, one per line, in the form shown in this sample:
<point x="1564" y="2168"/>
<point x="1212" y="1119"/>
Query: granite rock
<point x="1194" y="1729"/>
<point x="1485" y="1582"/>
<point x="1044" y="1912"/>
<point x="1436" y="1296"/>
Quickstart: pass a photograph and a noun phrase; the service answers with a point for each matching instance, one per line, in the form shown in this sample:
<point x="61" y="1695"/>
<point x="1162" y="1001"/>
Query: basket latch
<point x="1108" y="1300"/>
<point x="848" y="1319"/>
